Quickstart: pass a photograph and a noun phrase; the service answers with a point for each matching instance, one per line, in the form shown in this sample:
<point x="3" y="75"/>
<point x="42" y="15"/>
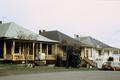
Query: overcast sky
<point x="97" y="18"/>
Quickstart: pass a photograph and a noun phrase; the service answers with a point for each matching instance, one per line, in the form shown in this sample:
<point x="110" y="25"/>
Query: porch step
<point x="90" y="62"/>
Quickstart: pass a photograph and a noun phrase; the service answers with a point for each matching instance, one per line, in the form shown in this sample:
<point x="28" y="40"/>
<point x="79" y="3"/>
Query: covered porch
<point x="26" y="50"/>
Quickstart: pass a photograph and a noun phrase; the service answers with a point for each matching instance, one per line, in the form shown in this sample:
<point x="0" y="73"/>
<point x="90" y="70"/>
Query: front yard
<point x="13" y="69"/>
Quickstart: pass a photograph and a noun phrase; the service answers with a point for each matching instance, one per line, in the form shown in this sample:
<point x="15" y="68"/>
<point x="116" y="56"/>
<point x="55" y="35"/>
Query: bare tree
<point x="22" y="35"/>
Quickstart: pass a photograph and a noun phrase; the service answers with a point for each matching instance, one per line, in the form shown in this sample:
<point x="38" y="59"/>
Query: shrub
<point x="58" y="60"/>
<point x="110" y="59"/>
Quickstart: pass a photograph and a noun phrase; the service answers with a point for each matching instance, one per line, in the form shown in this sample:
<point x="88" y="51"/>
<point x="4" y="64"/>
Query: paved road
<point x="72" y="75"/>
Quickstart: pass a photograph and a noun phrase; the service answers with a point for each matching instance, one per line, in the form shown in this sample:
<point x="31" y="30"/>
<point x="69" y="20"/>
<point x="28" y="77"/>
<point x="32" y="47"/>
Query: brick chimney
<point x="40" y="31"/>
<point x="44" y="31"/>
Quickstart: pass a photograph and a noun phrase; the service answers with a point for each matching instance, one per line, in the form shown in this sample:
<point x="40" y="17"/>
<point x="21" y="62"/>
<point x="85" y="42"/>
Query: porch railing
<point x="22" y="57"/>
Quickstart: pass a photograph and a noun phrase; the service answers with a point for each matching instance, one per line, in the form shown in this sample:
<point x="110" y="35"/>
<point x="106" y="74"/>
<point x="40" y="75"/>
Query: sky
<point x="97" y="18"/>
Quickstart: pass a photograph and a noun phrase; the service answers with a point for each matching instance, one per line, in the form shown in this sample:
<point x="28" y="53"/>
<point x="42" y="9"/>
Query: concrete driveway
<point x="71" y="75"/>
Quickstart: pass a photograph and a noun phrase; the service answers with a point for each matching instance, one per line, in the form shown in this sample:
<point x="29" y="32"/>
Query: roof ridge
<point x="8" y="28"/>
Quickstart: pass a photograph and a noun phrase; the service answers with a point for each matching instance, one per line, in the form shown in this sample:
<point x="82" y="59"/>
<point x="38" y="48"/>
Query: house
<point x="99" y="52"/>
<point x="18" y="44"/>
<point x="66" y="41"/>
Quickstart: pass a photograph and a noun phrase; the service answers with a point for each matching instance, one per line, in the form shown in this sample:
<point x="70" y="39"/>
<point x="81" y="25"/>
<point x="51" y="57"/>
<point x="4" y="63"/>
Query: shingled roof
<point x="13" y="31"/>
<point x="93" y="42"/>
<point x="61" y="37"/>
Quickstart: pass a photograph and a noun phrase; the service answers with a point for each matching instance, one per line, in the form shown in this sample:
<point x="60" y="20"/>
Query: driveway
<point x="71" y="75"/>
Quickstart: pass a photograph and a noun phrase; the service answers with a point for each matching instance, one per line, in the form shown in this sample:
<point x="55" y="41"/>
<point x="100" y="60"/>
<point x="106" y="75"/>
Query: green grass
<point x="11" y="69"/>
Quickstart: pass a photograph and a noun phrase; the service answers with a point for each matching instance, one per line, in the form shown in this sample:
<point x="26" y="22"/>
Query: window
<point x="44" y="48"/>
<point x="8" y="47"/>
<point x="116" y="52"/>
<point x="99" y="52"/>
<point x="49" y="49"/>
<point x="64" y="48"/>
<point x="108" y="52"/>
<point x="17" y="47"/>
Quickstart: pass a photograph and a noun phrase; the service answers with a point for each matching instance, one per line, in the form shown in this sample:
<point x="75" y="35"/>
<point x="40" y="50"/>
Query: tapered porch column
<point x="103" y="52"/>
<point x="4" y="50"/>
<point x="37" y="49"/>
<point x="47" y="50"/>
<point x="12" y="50"/>
<point x="56" y="49"/>
<point x="85" y="52"/>
<point x="33" y="50"/>
<point x="28" y="50"/>
<point x="20" y="48"/>
<point x="91" y="52"/>
<point x="40" y="49"/>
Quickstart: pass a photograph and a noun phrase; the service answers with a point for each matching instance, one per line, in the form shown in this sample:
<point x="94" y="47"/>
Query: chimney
<point x="44" y="31"/>
<point x="0" y="22"/>
<point x="40" y="31"/>
<point x="76" y="36"/>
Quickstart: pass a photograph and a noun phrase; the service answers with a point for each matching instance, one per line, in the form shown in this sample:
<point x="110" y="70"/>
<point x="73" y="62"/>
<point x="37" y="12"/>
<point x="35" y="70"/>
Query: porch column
<point x="37" y="49"/>
<point x="12" y="50"/>
<point x="20" y="48"/>
<point x="85" y="52"/>
<point x="103" y="52"/>
<point x="40" y="49"/>
<point x="91" y="52"/>
<point x="103" y="55"/>
<point x="47" y="50"/>
<point x="23" y="50"/>
<point x="110" y="52"/>
<point x="56" y="49"/>
<point x="28" y="49"/>
<point x="33" y="50"/>
<point x="4" y="50"/>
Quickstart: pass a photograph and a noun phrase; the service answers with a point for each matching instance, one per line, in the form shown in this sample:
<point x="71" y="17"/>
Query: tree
<point x="22" y="35"/>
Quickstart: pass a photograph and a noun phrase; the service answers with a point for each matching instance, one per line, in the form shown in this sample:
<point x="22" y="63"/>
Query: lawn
<point x="12" y="69"/>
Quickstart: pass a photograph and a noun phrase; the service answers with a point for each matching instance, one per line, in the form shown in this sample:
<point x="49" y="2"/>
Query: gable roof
<point x="61" y="37"/>
<point x="13" y="31"/>
<point x="93" y="42"/>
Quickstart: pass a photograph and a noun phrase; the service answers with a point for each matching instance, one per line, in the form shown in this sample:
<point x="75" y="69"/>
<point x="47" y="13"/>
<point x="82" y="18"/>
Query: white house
<point x="99" y="52"/>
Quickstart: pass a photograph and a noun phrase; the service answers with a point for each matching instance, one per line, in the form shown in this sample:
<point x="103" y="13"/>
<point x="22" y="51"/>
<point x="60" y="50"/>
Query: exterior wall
<point x="86" y="52"/>
<point x="52" y="56"/>
<point x="93" y="54"/>
<point x="61" y="53"/>
<point x="82" y="53"/>
<point x="100" y="59"/>
<point x="116" y="55"/>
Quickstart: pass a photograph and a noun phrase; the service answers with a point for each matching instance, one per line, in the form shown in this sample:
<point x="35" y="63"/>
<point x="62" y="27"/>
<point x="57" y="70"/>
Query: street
<point x="70" y="75"/>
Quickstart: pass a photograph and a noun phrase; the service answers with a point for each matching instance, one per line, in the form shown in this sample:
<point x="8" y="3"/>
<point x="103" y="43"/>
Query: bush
<point x="74" y="60"/>
<point x="110" y="59"/>
<point x="58" y="61"/>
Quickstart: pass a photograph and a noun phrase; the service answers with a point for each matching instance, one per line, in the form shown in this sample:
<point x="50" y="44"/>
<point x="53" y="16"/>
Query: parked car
<point x="110" y="65"/>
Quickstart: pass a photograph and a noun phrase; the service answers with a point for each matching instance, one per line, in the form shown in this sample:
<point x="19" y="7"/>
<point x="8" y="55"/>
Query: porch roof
<point x="13" y="31"/>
